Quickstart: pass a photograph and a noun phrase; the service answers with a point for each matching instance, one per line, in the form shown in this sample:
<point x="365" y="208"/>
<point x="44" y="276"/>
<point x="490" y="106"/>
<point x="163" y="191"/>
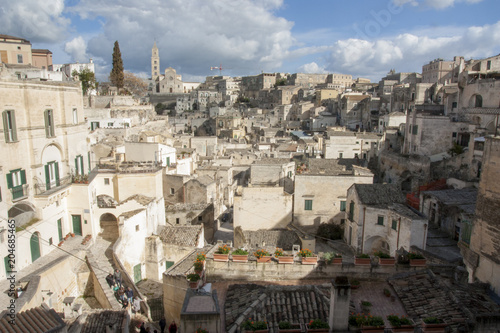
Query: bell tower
<point x="155" y="63"/>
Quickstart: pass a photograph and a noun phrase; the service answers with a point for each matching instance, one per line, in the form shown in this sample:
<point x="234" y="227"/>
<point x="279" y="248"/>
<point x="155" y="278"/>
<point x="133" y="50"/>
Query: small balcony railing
<point x="47" y="188"/>
<point x="19" y="192"/>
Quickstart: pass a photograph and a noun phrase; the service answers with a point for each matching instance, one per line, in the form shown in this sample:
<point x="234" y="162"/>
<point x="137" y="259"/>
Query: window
<point x="200" y="218"/>
<point x="177" y="220"/>
<point x="51" y="175"/>
<point x="19" y="58"/>
<point x="488" y="65"/>
<point x="351" y="210"/>
<point x="380" y="220"/>
<point x="9" y="126"/>
<point x="106" y="181"/>
<point x="454" y="105"/>
<point x="172" y="190"/>
<point x="341" y="155"/>
<point x="110" y="124"/>
<point x="49" y="123"/>
<point x="75" y="116"/>
<point x="308" y="205"/>
<point x="415" y="129"/>
<point x="136" y="227"/>
<point x="342" y="221"/>
<point x="342" y="206"/>
<point x="289" y="174"/>
<point x="79" y="165"/>
<point x="454" y="134"/>
<point x="394" y="224"/>
<point x="15" y="181"/>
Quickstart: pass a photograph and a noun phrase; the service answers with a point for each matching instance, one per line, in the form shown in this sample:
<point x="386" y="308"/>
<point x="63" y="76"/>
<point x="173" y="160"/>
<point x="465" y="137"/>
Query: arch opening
<point x="109" y="227"/>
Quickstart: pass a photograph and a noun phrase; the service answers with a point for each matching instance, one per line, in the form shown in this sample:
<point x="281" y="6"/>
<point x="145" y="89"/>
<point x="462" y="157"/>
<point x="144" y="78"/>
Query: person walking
<point x="163" y="324"/>
<point x="118" y="277"/>
<point x="173" y="327"/>
<point x="110" y="280"/>
<point x="130" y="295"/>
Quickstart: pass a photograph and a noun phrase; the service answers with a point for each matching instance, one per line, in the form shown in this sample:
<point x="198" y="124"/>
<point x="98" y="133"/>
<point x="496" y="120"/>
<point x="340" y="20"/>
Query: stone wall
<point x="396" y="169"/>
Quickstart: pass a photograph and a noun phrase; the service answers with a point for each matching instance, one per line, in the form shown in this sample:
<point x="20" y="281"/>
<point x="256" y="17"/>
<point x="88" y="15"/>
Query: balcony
<point x="47" y="189"/>
<point x="19" y="192"/>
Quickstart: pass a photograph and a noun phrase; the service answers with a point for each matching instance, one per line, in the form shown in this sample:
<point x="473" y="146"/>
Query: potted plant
<point x="333" y="258"/>
<point x="258" y="326"/>
<point x="367" y="322"/>
<point x="262" y="256"/>
<point x="222" y="253"/>
<point x="362" y="259"/>
<point x="287" y="327"/>
<point x="240" y="255"/>
<point x="282" y="259"/>
<point x="201" y="330"/>
<point x="365" y="306"/>
<point x="201" y="256"/>
<point x="355" y="283"/>
<point x="308" y="258"/>
<point x="416" y="259"/>
<point x="433" y="324"/>
<point x="400" y="323"/>
<point x="193" y="279"/>
<point x="385" y="259"/>
<point x="198" y="266"/>
<point x="387" y="292"/>
<point x="317" y="325"/>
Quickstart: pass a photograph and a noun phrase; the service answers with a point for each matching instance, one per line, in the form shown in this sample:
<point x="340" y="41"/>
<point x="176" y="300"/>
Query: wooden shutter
<point x="10" y="183"/>
<point x="23" y="176"/>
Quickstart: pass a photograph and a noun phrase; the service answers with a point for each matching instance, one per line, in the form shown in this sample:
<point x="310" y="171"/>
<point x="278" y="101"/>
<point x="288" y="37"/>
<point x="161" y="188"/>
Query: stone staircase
<point x="102" y="265"/>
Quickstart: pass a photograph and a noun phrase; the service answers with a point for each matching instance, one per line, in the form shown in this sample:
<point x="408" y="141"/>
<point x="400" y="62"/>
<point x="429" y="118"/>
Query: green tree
<point x="87" y="77"/>
<point x="116" y="76"/>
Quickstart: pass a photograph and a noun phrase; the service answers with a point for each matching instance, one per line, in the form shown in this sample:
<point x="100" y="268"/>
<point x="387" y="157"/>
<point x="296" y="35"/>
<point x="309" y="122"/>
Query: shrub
<point x="362" y="319"/>
<point x="223" y="249"/>
<point x="318" y="323"/>
<point x="240" y="252"/>
<point x="305" y="253"/>
<point x="366" y="303"/>
<point x="279" y="252"/>
<point x="355" y="282"/>
<point x="260" y="253"/>
<point x="381" y="254"/>
<point x="387" y="292"/>
<point x="201" y="330"/>
<point x="284" y="325"/>
<point x="253" y="325"/>
<point x="330" y="255"/>
<point x="193" y="277"/>
<point x="198" y="265"/>
<point x="330" y="231"/>
<point x="413" y="255"/>
<point x="397" y="321"/>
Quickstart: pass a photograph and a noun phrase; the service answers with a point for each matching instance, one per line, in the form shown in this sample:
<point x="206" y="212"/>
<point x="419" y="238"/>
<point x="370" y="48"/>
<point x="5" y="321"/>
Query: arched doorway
<point x="109" y="227"/>
<point x="35" y="246"/>
<point x="376" y="243"/>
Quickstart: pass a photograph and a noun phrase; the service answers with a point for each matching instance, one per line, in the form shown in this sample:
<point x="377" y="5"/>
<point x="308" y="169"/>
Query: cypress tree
<point x="116" y="75"/>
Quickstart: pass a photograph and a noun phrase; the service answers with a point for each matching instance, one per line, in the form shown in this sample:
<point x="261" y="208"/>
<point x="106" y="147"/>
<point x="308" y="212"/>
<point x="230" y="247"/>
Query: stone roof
<point x="131" y="213"/>
<point x="204" y="180"/>
<point x="455" y="196"/>
<point x="379" y="194"/>
<point x="39" y="319"/>
<point x="181" y="235"/>
<point x="404" y="210"/>
<point x="185" y="265"/>
<point x="97" y="320"/>
<point x="282" y="238"/>
<point x="329" y="167"/>
<point x="296" y="304"/>
<point x="105" y="201"/>
<point x="186" y="207"/>
<point x="423" y="294"/>
<point x="273" y="161"/>
<point x="200" y="302"/>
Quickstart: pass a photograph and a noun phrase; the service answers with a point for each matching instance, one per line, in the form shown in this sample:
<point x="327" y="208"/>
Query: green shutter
<point x="56" y="167"/>
<point x="76" y="165"/>
<point x="46" y="118"/>
<point x="5" y="126"/>
<point x="14" y="128"/>
<point x="47" y="177"/>
<point x="88" y="158"/>
<point x="23" y="177"/>
<point x="10" y="183"/>
<point x="81" y="164"/>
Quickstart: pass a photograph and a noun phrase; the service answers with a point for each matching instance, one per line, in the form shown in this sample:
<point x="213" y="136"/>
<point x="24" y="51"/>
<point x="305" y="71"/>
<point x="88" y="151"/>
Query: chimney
<point x="68" y="307"/>
<point x="340" y="298"/>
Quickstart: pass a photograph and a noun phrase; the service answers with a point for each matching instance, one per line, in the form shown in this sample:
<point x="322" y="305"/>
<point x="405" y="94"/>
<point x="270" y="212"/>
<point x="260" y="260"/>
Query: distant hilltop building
<point x="170" y="82"/>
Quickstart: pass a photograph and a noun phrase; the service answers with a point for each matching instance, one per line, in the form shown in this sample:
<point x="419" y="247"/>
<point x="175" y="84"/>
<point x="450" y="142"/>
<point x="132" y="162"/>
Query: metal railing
<point x="52" y="186"/>
<point x="19" y="192"/>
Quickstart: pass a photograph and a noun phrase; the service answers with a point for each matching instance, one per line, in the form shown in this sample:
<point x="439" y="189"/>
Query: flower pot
<point x="372" y="329"/>
<point x="72" y="235"/>
<point x="387" y="261"/>
<point x="434" y="327"/>
<point x="309" y="260"/>
<point x="194" y="285"/>
<point x="337" y="261"/>
<point x="240" y="257"/>
<point x="318" y="330"/>
<point x="363" y="261"/>
<point x="264" y="259"/>
<point x="295" y="329"/>
<point x="418" y="262"/>
<point x="404" y="329"/>
<point x="285" y="260"/>
<point x="221" y="257"/>
<point x="60" y="243"/>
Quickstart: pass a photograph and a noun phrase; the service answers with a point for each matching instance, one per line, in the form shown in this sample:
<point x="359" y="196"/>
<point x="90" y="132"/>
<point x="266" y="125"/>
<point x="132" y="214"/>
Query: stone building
<point x="347" y="144"/>
<point x="321" y="189"/>
<point x="351" y="113"/>
<point x="379" y="220"/>
<point x="441" y="71"/>
<point x="480" y="251"/>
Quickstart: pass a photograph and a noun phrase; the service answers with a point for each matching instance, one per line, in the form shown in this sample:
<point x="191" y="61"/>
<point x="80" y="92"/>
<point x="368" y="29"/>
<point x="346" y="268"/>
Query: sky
<point x="364" y="38"/>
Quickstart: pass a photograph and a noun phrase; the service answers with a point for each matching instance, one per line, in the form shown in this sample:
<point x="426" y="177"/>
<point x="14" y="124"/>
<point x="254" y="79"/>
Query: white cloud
<point x="312" y="68"/>
<point x="77" y="49"/>
<point x="408" y="52"/>
<point x="192" y="35"/>
<point x="37" y="21"/>
<point x="436" y="4"/>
